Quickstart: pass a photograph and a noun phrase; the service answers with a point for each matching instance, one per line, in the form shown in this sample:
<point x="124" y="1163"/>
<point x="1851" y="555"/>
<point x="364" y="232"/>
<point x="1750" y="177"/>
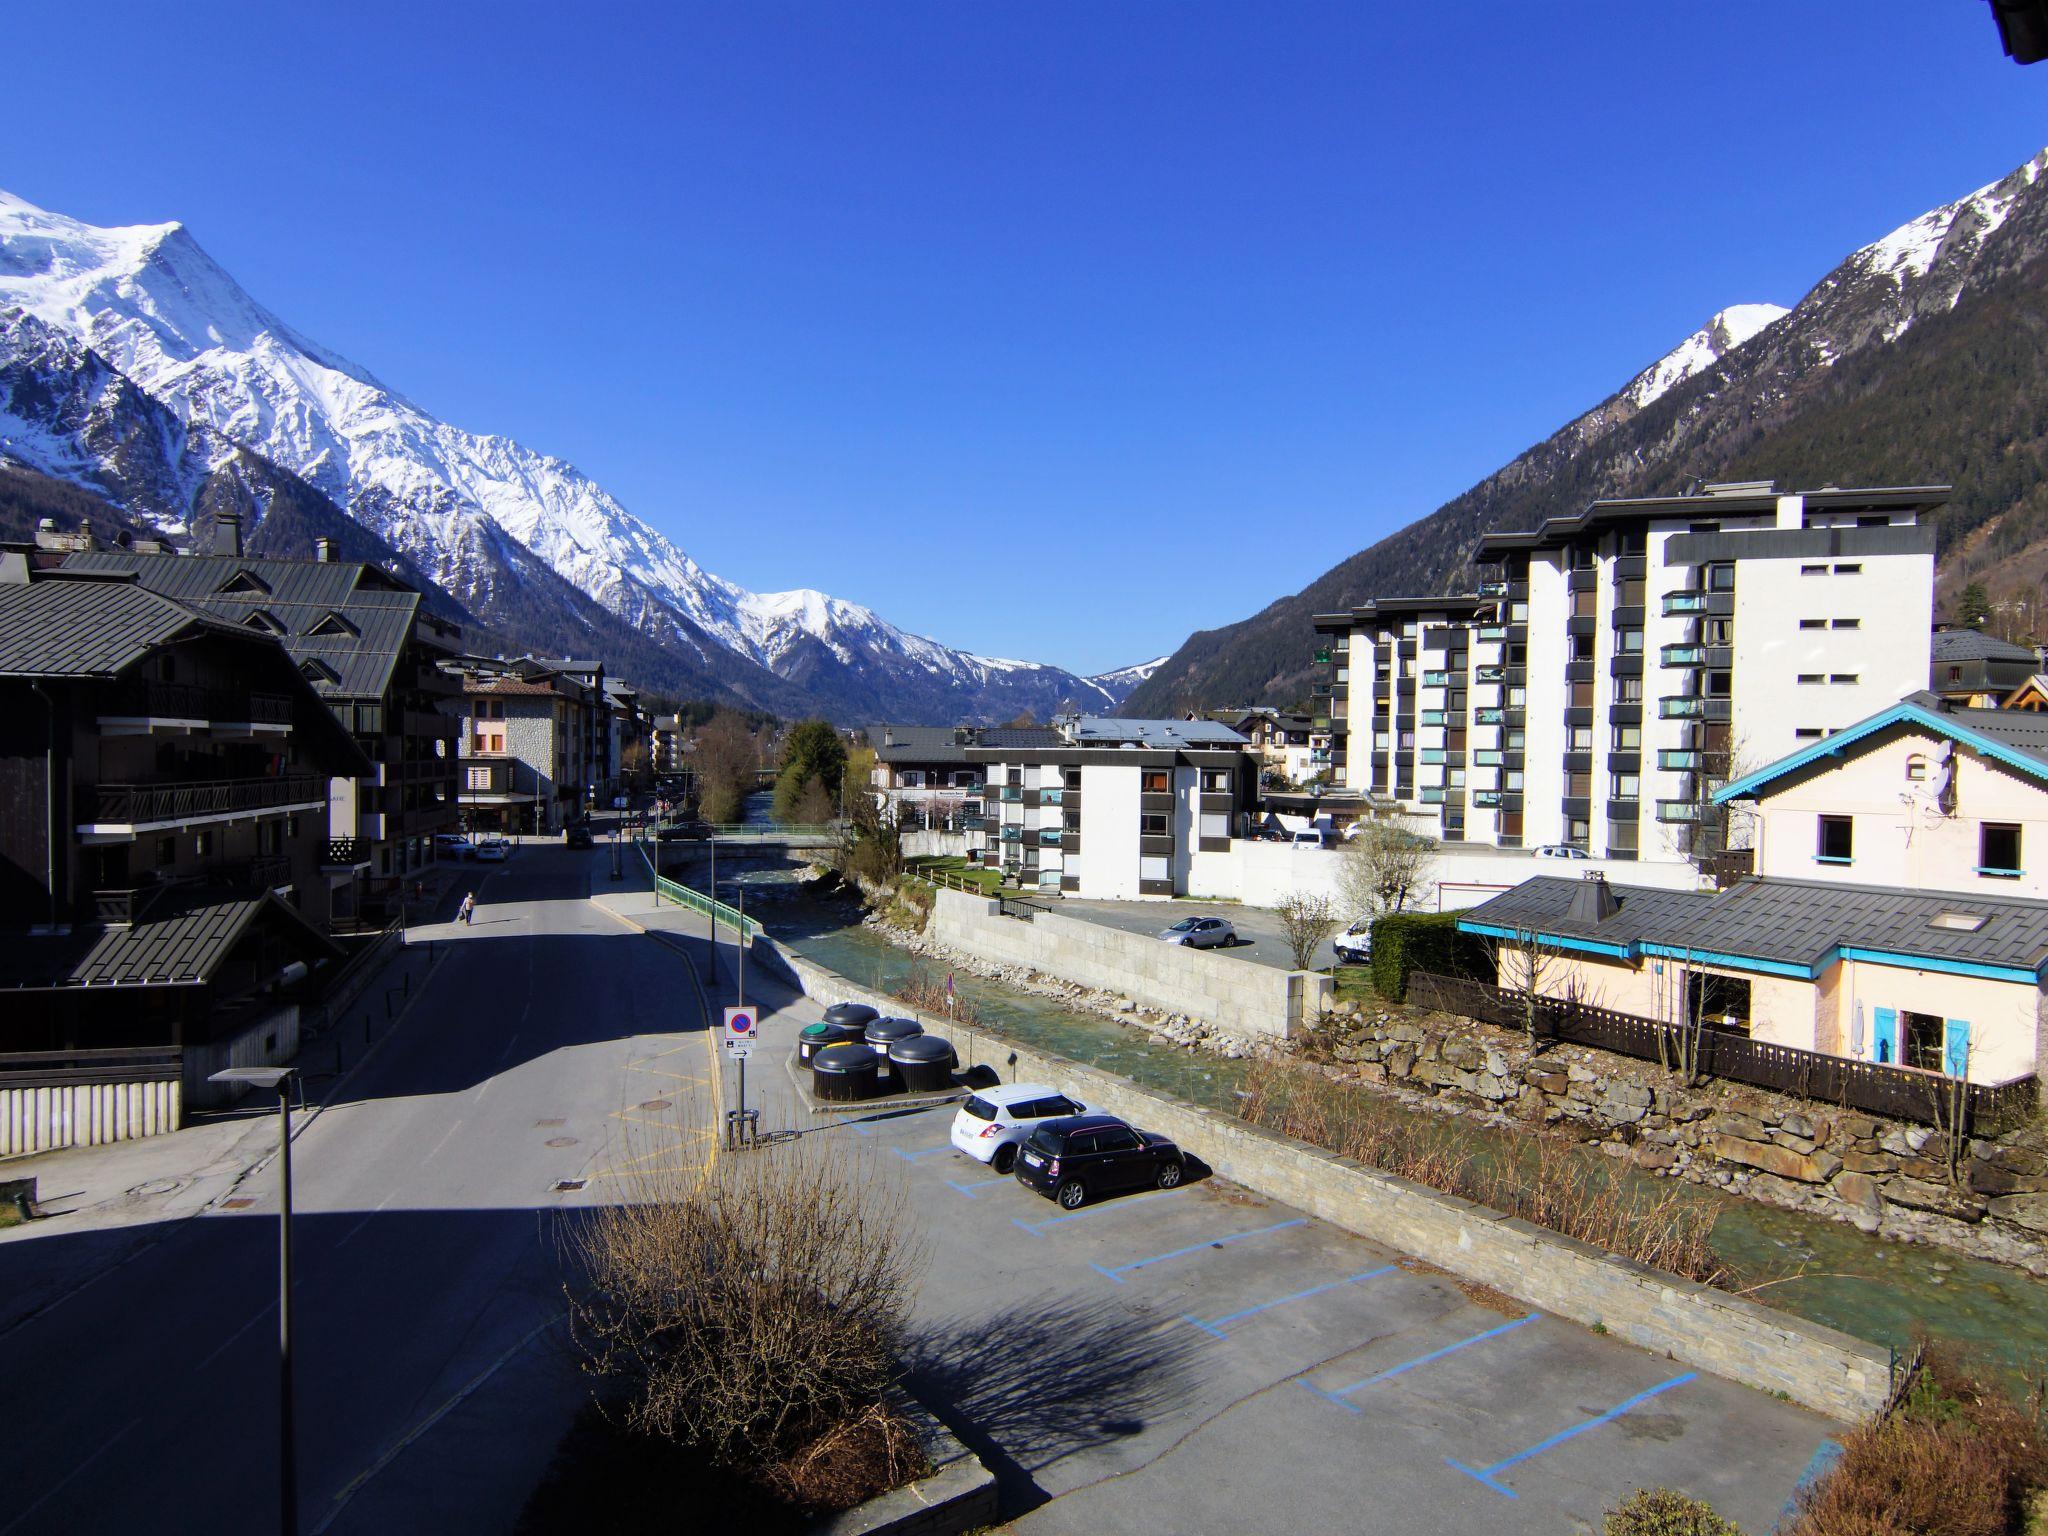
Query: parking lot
<point x="1196" y="1359"/>
<point x="1268" y="945"/>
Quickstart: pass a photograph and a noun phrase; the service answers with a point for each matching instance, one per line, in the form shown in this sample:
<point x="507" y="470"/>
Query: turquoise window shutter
<point x="1884" y="1035"/>
<point x="1955" y="1048"/>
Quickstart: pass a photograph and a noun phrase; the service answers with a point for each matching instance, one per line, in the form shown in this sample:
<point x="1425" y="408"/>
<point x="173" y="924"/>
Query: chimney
<point x="85" y="533"/>
<point x="323" y="550"/>
<point x="1593" y="902"/>
<point x="888" y="737"/>
<point x="227" y="533"/>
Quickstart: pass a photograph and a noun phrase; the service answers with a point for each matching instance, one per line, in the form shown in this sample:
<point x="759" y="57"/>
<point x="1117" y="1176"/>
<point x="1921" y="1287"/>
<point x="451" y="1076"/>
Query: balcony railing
<point x="130" y="904"/>
<point x="345" y="851"/>
<point x="1048" y="837"/>
<point x="1012" y="834"/>
<point x="1682" y="709"/>
<point x="1432" y="717"/>
<point x="1682" y="655"/>
<point x="1436" y="679"/>
<point x="1487" y="716"/>
<point x="1432" y="794"/>
<point x="1679" y="759"/>
<point x="132" y="804"/>
<point x="1493" y="631"/>
<point x="1486" y="799"/>
<point x="1486" y="757"/>
<point x="185" y="701"/>
<point x="1677" y="810"/>
<point x="1013" y="793"/>
<point x="1685" y="602"/>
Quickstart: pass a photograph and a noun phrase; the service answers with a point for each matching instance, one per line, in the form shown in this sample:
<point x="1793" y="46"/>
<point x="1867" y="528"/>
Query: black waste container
<point x="923" y="1063"/>
<point x="883" y="1033"/>
<point x="816" y="1037"/>
<point x="843" y="1072"/>
<point x="860" y="1015"/>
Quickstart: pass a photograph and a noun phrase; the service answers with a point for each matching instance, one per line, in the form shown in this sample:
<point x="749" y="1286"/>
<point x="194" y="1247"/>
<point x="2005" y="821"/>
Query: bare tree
<point x="749" y="1304"/>
<point x="1678" y="1048"/>
<point x="814" y="806"/>
<point x="1385" y="868"/>
<point x="1526" y="963"/>
<point x="727" y="760"/>
<point x="1307" y="919"/>
<point x="1712" y="828"/>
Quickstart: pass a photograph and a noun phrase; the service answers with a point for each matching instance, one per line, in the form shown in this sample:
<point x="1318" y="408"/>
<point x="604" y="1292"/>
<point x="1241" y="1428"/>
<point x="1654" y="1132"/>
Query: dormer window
<point x="244" y="582"/>
<point x="266" y="621"/>
<point x="318" y="672"/>
<point x="335" y="624"/>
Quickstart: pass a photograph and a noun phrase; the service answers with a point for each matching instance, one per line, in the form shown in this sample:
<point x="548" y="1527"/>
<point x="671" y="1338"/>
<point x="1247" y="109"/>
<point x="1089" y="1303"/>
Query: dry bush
<point x="750" y="1305"/>
<point x="1663" y="1512"/>
<point x="1958" y="1458"/>
<point x="1540" y="1181"/>
<point x="926" y="992"/>
<point x="849" y="1463"/>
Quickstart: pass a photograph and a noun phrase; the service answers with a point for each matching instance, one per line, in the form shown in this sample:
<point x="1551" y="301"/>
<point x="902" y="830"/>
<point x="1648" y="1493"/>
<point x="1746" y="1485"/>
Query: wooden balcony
<point x="129" y="805"/>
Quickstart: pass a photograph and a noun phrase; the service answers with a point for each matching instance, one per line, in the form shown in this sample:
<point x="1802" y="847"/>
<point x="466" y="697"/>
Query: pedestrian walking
<point x="467" y="910"/>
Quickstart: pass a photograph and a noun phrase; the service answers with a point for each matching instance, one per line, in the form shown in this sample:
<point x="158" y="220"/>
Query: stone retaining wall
<point x="1828" y="1371"/>
<point x="959" y="1494"/>
<point x="1219" y="989"/>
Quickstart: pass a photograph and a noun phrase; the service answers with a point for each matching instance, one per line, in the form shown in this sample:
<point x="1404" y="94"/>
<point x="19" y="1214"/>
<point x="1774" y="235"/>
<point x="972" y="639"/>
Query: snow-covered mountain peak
<point x="1911" y="251"/>
<point x="1701" y="350"/>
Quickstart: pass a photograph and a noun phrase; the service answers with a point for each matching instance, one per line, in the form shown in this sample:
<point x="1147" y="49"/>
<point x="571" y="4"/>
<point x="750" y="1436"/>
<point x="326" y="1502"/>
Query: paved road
<point x="1207" y="1360"/>
<point x="1268" y="944"/>
<point x="434" y="1382"/>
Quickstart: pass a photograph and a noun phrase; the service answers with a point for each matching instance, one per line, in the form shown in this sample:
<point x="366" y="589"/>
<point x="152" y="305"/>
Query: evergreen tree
<point x="1974" y="606"/>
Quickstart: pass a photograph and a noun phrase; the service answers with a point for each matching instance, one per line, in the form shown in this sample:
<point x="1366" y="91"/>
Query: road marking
<point x="1487" y="1475"/>
<point x="1118" y="1272"/>
<point x="268" y="1308"/>
<point x="443" y="1141"/>
<point x="1037" y="1228"/>
<point x="1215" y="1324"/>
<point x="911" y="1157"/>
<point x="367" y="1219"/>
<point x="355" y="1485"/>
<point x="1338" y="1394"/>
<point x="969" y="1189"/>
<point x="58" y="1487"/>
<point x="1824" y="1457"/>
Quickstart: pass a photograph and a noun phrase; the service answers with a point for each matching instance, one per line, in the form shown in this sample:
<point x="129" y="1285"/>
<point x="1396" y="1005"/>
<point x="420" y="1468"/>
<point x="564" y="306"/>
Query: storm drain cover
<point x="239" y="1203"/>
<point x="155" y="1187"/>
<point x="658" y="1104"/>
<point x="561" y="1141"/>
<point x="563" y="1186"/>
<point x="550" y="1122"/>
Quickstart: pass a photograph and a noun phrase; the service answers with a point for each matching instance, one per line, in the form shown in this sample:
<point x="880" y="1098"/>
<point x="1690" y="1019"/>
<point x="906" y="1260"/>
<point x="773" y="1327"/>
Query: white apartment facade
<point x="1618" y="664"/>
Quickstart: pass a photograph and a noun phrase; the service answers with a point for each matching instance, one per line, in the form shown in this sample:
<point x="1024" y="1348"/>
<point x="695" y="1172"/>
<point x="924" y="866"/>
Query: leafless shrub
<point x="1536" y="1179"/>
<point x="928" y="993"/>
<point x="1306" y="920"/>
<point x="749" y="1305"/>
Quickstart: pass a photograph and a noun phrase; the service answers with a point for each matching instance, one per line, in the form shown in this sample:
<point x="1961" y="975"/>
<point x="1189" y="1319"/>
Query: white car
<point x="1560" y="851"/>
<point x="993" y="1123"/>
<point x="493" y="850"/>
<point x="452" y="845"/>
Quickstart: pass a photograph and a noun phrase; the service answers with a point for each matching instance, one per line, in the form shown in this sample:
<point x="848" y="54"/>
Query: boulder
<point x="1649" y="1155"/>
<point x="1545" y="1079"/>
<point x="1856" y="1127"/>
<point x="1921" y="1195"/>
<point x="1869" y="1162"/>
<point x="1805" y="1168"/>
<point x="1989" y="1178"/>
<point x="2027" y="1210"/>
<point x="1734" y="1123"/>
<point x="1860" y="1191"/>
<point x="1801" y="1126"/>
<point x="1624" y="1102"/>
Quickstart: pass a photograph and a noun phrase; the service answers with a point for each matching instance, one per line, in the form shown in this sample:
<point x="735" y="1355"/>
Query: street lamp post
<point x="280" y="1079"/>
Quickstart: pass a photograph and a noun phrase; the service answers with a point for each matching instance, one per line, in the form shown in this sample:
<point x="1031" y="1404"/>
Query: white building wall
<point x="1109" y="831"/>
<point x="1658" y="842"/>
<point x="1543" y="775"/>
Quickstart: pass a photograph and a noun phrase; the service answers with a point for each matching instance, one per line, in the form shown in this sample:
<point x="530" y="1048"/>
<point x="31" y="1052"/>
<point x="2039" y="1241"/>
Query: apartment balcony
<point x="1049" y="837"/>
<point x="1493" y="632"/>
<point x="345" y="853"/>
<point x="1012" y="833"/>
<point x="139" y="706"/>
<point x="1012" y="794"/>
<point x="1489" y="715"/>
<point x="1436" y="679"/>
<point x="1490" y="674"/>
<point x="1322" y="656"/>
<point x="973" y="823"/>
<point x="1683" y="656"/>
<point x="1486" y="799"/>
<point x="122" y="906"/>
<point x="1680" y="759"/>
<point x="1486" y="757"/>
<point x="129" y="806"/>
<point x="1685" y="601"/>
<point x="1677" y="811"/>
<point x="1432" y="717"/>
<point x="1431" y="794"/>
<point x="1319" y="690"/>
<point x="1430" y="755"/>
<point x="1682" y="709"/>
<point x="1493" y="589"/>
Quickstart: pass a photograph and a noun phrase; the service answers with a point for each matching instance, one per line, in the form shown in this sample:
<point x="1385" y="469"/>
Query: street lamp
<point x="280" y="1080"/>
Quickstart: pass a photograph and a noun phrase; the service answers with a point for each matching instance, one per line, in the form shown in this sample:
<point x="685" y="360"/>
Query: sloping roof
<point x="300" y="594"/>
<point x="2017" y="738"/>
<point x="512" y="685"/>
<point x="85" y="628"/>
<point x="916" y="744"/>
<point x="1974" y="645"/>
<point x="1797" y="927"/>
<point x="180" y="942"/>
<point x="1095" y="730"/>
<point x="1023" y="737"/>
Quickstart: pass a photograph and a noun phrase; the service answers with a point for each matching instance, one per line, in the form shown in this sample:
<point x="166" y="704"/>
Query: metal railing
<point x="677" y="894"/>
<point x="127" y="803"/>
<point x="186" y="701"/>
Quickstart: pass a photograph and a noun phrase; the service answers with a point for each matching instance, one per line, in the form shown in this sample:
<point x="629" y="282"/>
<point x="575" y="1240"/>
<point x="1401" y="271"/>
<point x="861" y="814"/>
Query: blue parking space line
<point x="1215" y="1324"/>
<point x="1037" y="1228"/>
<point x="1825" y="1455"/>
<point x="969" y="1189"/>
<point x="1118" y="1272"/>
<point x="911" y="1157"/>
<point x="1487" y="1475"/>
<point x="1434" y="1354"/>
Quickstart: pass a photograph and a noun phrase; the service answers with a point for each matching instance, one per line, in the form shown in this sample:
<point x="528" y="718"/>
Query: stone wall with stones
<point x="1884" y="1177"/>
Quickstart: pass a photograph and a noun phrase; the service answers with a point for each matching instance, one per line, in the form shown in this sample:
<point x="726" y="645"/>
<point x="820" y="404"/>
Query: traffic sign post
<point x="739" y="1043"/>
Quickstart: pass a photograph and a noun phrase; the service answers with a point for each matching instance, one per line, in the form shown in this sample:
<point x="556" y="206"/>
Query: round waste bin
<point x="883" y="1033"/>
<point x="816" y="1037"/>
<point x="843" y="1072"/>
<point x="923" y="1063"/>
<point x="859" y="1015"/>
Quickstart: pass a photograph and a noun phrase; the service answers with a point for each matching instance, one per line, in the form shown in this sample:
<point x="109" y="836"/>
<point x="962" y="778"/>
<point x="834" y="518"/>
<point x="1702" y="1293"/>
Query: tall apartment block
<point x="1617" y="664"/>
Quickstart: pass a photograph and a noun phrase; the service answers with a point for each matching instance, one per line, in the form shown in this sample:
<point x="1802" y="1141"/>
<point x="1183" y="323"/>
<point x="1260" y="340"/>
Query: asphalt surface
<point x="433" y="1376"/>
<point x="1267" y="943"/>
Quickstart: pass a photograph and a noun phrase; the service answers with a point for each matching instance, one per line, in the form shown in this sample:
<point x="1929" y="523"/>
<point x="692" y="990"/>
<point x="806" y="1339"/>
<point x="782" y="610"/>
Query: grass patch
<point x="985" y="880"/>
<point x="1354" y="982"/>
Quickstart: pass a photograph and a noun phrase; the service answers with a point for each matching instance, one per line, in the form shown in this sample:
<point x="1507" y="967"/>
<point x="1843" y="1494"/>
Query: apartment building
<point x="1978" y="670"/>
<point x="524" y="739"/>
<point x="1618" y="664"/>
<point x="1286" y="742"/>
<point x="923" y="777"/>
<point x="1108" y="808"/>
<point x="368" y="645"/>
<point x="163" y="796"/>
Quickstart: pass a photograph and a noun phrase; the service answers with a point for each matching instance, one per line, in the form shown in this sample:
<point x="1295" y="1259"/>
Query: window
<point x="1998" y="849"/>
<point x="1813" y="677"/>
<point x="1807" y="733"/>
<point x="1873" y="520"/>
<point x="1717" y="631"/>
<point x="1630" y="593"/>
<point x="1835" y="842"/>
<point x="202" y="844"/>
<point x="1151" y="825"/>
<point x="1626" y="786"/>
<point x="1581" y="739"/>
<point x="1155" y="867"/>
<point x="1119" y="1138"/>
<point x="1813" y="570"/>
<point x="1628" y="690"/>
<point x="1921" y="1035"/>
<point x="1916" y="766"/>
<point x="1813" y="623"/>
<point x="1848" y="623"/>
<point x="166" y="852"/>
<point x="1215" y="824"/>
<point x="1578" y="832"/>
<point x="1153" y="781"/>
<point x="1720" y="578"/>
<point x="1621" y="837"/>
<point x="1845" y="679"/>
<point x="1072" y="777"/>
<point x="1629" y="641"/>
<point x="1720" y="685"/>
<point x="1849" y="570"/>
<point x="1628" y="738"/>
<point x="1955" y="674"/>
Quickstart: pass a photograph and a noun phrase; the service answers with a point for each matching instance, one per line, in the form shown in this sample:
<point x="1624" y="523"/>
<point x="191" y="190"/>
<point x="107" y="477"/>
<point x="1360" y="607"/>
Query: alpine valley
<point x="141" y="386"/>
<point x="1921" y="359"/>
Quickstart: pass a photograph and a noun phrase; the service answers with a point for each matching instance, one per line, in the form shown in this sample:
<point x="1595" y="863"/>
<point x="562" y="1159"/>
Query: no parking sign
<point x="739" y="1031"/>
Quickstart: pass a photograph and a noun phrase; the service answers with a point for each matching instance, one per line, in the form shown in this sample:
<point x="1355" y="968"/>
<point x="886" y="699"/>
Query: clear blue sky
<point x="1051" y="330"/>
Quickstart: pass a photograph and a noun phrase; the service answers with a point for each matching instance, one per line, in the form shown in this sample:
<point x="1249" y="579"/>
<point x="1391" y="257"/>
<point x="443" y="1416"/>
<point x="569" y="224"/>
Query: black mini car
<point x="578" y="835"/>
<point x="1074" y="1159"/>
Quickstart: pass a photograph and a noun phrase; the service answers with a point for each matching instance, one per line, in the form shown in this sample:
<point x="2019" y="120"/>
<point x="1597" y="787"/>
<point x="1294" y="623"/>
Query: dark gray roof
<point x="1036" y="738"/>
<point x="1800" y="923"/>
<point x="180" y="942"/>
<point x="352" y="618"/>
<point x="1094" y="730"/>
<point x="85" y="628"/>
<point x="916" y="744"/>
<point x="1951" y="645"/>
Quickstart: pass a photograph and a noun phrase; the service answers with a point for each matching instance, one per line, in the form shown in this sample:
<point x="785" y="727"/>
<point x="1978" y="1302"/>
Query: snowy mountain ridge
<point x="151" y="302"/>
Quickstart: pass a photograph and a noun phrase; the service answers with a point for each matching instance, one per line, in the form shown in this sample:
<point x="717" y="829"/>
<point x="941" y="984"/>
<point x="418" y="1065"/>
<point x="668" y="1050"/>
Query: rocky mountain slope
<point x="1921" y="358"/>
<point x="483" y="516"/>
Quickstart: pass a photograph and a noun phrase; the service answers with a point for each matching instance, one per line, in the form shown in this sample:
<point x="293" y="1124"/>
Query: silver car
<point x="1200" y="933"/>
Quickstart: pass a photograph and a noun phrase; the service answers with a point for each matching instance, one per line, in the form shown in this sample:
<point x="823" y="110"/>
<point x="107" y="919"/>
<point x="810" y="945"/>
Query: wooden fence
<point x="1899" y="1093"/>
<point x="53" y="1099"/>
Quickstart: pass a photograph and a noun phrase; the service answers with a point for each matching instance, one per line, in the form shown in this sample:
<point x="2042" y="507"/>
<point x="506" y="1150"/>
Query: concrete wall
<point x="934" y="845"/>
<point x="1219" y="989"/>
<point x="51" y="1116"/>
<point x="1827" y="1371"/>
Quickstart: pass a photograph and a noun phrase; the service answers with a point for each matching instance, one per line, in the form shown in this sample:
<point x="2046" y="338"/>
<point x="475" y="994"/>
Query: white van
<point x="1311" y="837"/>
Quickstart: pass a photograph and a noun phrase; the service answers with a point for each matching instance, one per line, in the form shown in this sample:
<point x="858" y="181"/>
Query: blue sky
<point x="1051" y="330"/>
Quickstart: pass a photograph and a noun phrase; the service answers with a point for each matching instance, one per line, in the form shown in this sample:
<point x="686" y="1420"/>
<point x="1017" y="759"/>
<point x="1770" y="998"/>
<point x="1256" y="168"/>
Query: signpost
<point x="739" y="1043"/>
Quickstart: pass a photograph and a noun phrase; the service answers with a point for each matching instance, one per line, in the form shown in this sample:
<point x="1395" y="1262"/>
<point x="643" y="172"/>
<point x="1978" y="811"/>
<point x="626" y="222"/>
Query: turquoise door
<point x="1884" y="1035"/>
<point x="1955" y="1048"/>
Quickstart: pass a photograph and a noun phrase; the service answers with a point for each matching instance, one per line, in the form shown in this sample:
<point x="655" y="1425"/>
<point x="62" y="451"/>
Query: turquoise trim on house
<point x="1898" y="714"/>
<point x="1557" y="940"/>
<point x="1946" y="967"/>
<point x="1732" y="962"/>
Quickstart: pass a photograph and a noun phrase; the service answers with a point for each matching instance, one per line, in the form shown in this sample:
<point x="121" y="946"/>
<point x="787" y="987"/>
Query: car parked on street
<point x="493" y="850"/>
<point x="1073" y="1161"/>
<point x="1200" y="933"/>
<point x="994" y="1122"/>
<point x="452" y="845"/>
<point x="1560" y="851"/>
<point x="578" y="835"/>
<point x="1354" y="944"/>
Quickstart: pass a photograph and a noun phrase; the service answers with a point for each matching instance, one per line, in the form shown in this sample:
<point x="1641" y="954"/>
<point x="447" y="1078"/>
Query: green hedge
<point x="1423" y="941"/>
